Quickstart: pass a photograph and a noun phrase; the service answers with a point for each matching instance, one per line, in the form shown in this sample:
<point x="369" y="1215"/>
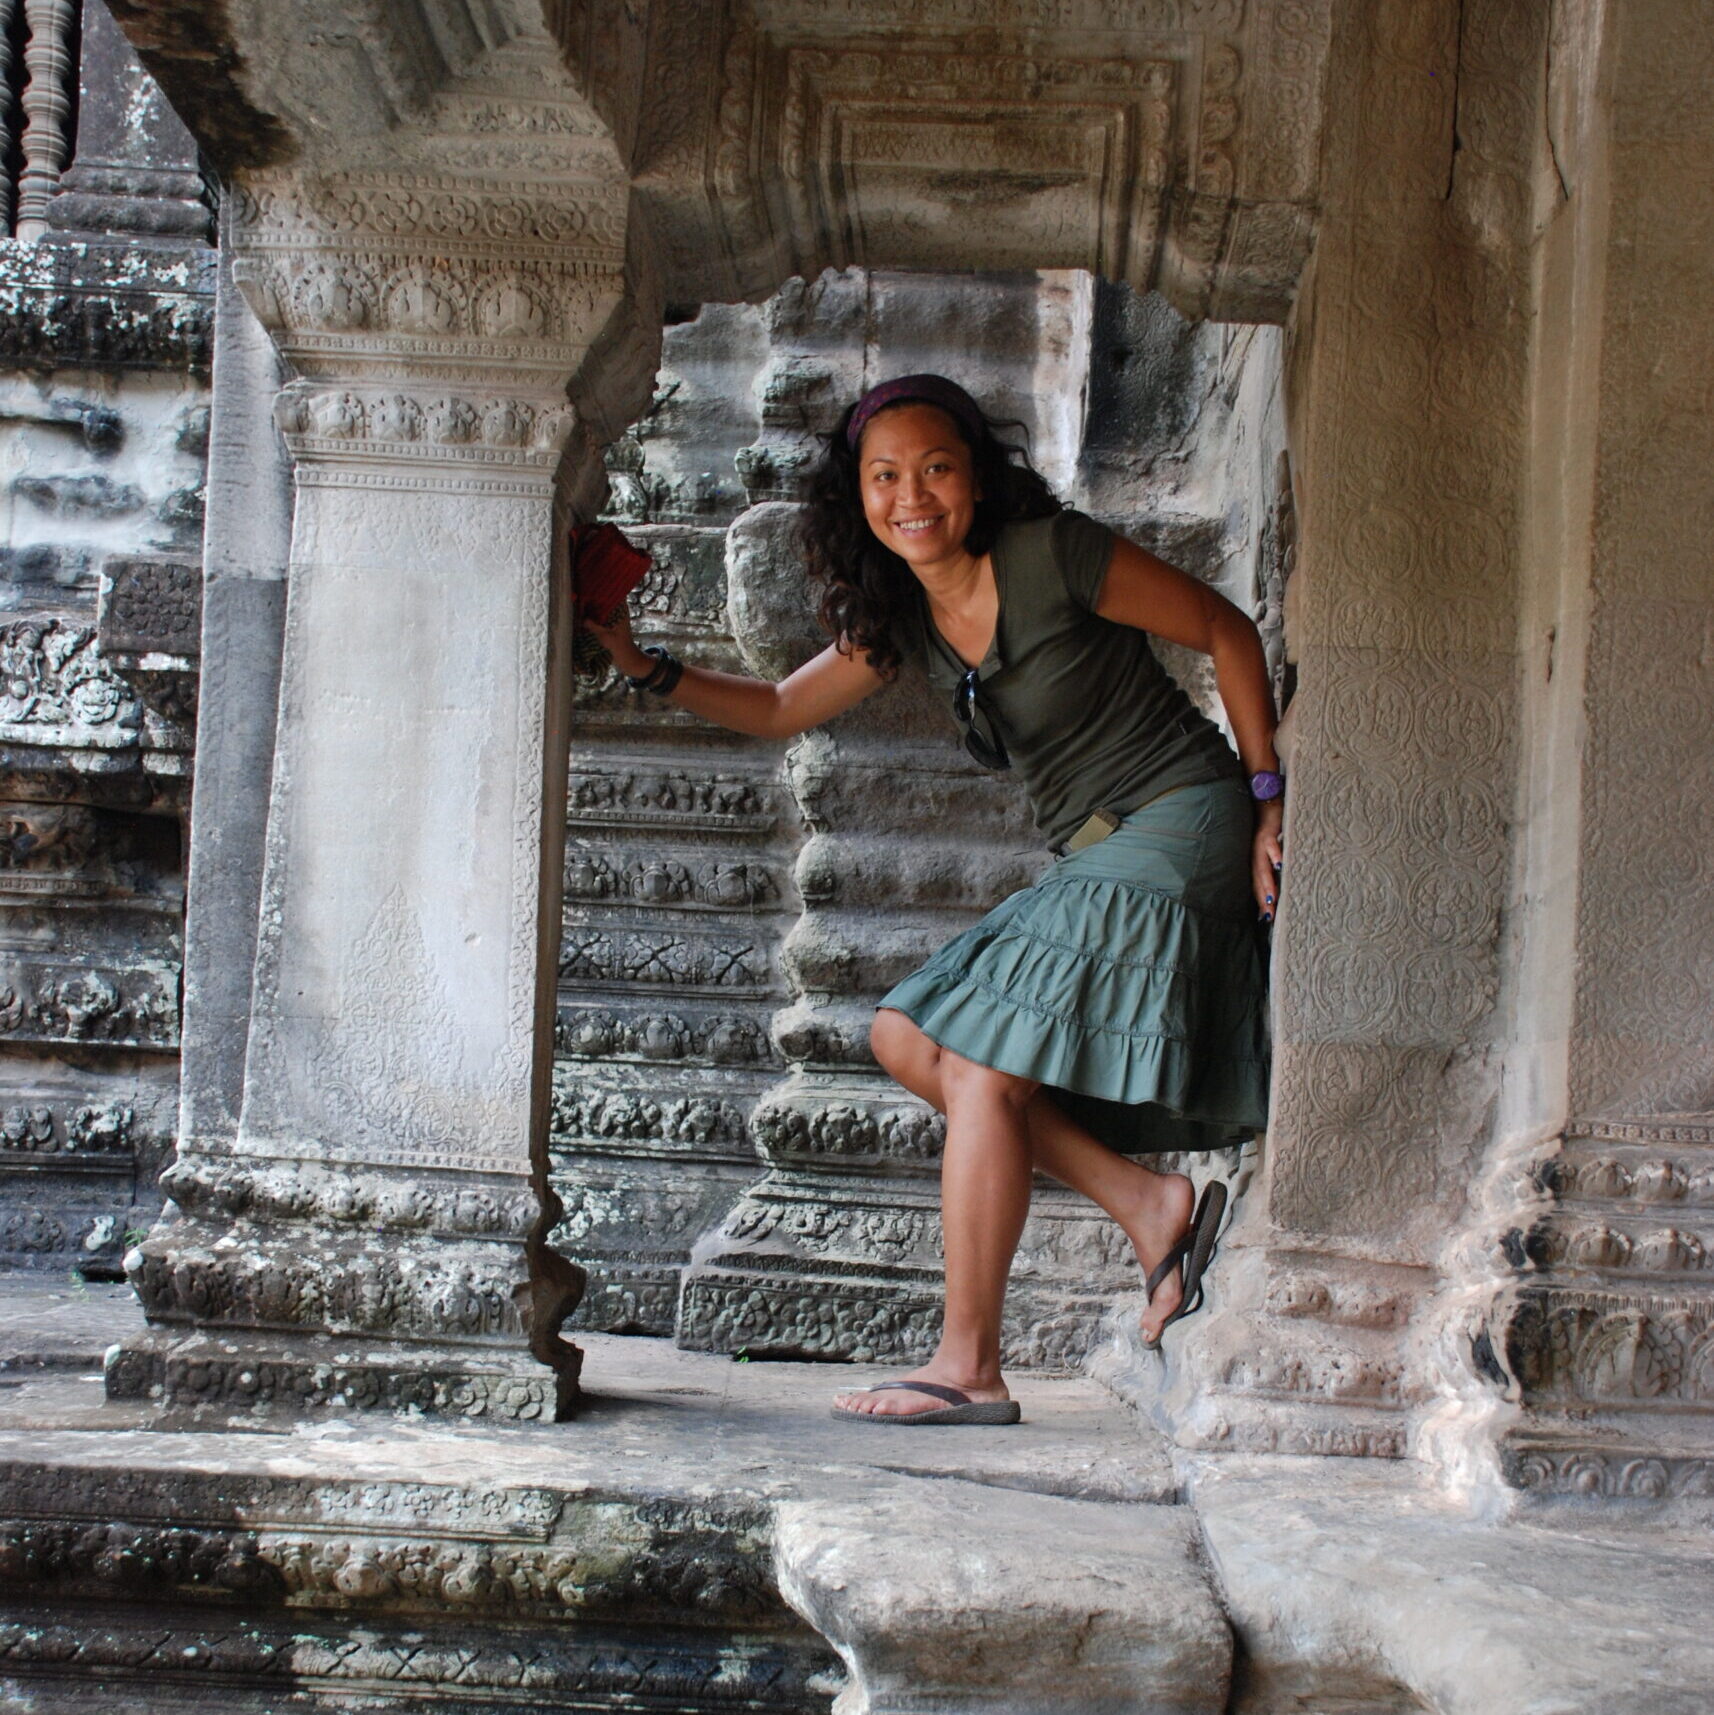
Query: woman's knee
<point x="965" y="1080"/>
<point x="896" y="1042"/>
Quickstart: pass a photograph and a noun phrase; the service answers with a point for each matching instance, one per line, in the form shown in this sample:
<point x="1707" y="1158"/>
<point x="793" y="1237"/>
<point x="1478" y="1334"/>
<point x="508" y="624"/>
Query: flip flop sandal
<point x="959" y="1407"/>
<point x="1193" y="1252"/>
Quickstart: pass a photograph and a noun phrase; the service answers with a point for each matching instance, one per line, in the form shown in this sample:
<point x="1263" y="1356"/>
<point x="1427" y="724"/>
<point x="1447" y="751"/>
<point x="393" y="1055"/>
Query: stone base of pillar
<point x="1294" y="1353"/>
<point x="217" y="1374"/>
<point x="301" y="1285"/>
<point x="630" y="1226"/>
<point x="803" y="1269"/>
<point x="1604" y="1333"/>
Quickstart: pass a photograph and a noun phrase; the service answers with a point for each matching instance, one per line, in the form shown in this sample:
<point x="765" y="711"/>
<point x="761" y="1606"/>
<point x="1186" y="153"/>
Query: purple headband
<point x="930" y="390"/>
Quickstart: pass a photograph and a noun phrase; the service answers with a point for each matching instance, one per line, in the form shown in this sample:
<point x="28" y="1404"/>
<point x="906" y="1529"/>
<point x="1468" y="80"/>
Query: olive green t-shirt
<point x="1091" y="719"/>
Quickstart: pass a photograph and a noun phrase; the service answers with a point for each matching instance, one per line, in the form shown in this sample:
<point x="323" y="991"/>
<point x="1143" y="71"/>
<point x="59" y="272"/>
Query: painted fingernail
<point x="1276" y="869"/>
<point x="1270" y="899"/>
<point x="1267" y="916"/>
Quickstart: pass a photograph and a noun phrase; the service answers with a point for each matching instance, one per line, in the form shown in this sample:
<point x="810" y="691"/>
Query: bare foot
<point x="898" y="1402"/>
<point x="1160" y="1218"/>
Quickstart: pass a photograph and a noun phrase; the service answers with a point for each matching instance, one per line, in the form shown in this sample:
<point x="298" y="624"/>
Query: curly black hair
<point x="865" y="586"/>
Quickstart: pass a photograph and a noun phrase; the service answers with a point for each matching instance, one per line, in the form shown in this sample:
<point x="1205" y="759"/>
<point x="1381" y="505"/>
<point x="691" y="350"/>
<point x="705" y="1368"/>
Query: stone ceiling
<point x="1164" y="143"/>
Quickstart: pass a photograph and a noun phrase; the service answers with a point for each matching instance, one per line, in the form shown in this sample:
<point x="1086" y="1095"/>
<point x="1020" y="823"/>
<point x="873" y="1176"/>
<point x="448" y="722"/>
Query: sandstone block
<point x="949" y="1596"/>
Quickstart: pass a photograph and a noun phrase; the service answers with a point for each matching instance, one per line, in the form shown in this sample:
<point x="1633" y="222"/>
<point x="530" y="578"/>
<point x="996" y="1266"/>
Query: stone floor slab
<point x="1347" y="1580"/>
<point x="683" y="1416"/>
<point x="946" y="1598"/>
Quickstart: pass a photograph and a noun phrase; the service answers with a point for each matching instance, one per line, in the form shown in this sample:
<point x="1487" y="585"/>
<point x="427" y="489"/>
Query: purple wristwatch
<point x="1267" y="784"/>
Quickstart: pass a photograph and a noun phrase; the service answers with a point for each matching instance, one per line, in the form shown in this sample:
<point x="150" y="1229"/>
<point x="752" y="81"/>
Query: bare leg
<point x="985" y="1173"/>
<point x="1153" y="1208"/>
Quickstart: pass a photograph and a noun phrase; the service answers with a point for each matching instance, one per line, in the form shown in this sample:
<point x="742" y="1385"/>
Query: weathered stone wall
<point x="104" y="344"/>
<point x="734" y="910"/>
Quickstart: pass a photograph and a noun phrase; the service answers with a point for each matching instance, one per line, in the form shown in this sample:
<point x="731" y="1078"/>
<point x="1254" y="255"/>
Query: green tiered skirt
<point x="1128" y="980"/>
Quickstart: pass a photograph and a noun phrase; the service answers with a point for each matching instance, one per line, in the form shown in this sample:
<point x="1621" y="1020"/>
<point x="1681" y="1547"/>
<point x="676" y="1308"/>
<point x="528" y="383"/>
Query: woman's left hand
<point x="1266" y="856"/>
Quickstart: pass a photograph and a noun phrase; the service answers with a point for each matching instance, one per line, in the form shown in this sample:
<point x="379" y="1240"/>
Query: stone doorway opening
<point x="736" y="1171"/>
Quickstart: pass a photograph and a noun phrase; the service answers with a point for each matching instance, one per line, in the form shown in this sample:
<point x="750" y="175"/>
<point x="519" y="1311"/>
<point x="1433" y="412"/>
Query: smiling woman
<point x="1115" y="1008"/>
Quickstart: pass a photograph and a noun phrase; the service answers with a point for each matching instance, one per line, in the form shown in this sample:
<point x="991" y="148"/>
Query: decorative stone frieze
<point x="251" y="1588"/>
<point x="80" y="304"/>
<point x="675" y="1669"/>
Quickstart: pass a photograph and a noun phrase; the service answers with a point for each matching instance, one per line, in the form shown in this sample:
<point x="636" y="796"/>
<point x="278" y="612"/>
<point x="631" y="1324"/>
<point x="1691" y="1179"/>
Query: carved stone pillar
<point x="1406" y="410"/>
<point x="1588" y="1332"/>
<point x="366" y="1230"/>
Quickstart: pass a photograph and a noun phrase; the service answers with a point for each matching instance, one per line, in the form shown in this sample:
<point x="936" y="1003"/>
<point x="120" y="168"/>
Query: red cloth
<point x="605" y="568"/>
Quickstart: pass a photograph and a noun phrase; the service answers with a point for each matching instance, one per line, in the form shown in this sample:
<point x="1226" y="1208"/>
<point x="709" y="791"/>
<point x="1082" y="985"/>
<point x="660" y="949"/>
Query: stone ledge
<point x="241" y="1371"/>
<point x="948" y="1599"/>
<point x="1358" y="1582"/>
<point x="536" y="1557"/>
<point x="1343" y="1580"/>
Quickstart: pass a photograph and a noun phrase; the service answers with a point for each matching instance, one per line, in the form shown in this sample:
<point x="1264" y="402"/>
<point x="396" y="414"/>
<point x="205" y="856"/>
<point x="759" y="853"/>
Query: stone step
<point x="705" y="1529"/>
<point x="946" y="1597"/>
<point x="1353" y="1586"/>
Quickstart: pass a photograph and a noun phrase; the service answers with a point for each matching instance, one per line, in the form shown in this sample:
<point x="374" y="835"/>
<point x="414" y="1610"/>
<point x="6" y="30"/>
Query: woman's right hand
<point x="616" y="639"/>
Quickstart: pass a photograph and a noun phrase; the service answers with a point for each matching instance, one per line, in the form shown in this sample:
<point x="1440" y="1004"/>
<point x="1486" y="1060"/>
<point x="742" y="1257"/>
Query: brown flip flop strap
<point x="934" y="1390"/>
<point x="1168" y="1263"/>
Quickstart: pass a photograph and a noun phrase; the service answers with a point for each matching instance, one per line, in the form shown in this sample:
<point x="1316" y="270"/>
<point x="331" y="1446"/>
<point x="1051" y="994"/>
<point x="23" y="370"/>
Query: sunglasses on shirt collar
<point x="981" y="731"/>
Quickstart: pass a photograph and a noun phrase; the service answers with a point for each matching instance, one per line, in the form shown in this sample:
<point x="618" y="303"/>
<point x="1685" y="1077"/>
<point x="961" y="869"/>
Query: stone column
<point x="6" y="9"/>
<point x="1408" y="380"/>
<point x="46" y="103"/>
<point x="367" y="1227"/>
<point x="1590" y="1294"/>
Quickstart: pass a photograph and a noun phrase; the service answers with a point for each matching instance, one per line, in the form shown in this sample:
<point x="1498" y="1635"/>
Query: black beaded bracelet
<point x="663" y="676"/>
<point x="669" y="680"/>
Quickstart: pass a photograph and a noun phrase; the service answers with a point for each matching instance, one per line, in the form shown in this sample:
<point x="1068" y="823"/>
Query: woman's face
<point x="918" y="483"/>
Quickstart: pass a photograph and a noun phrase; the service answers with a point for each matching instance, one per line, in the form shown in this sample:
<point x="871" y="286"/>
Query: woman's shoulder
<point x="1068" y="544"/>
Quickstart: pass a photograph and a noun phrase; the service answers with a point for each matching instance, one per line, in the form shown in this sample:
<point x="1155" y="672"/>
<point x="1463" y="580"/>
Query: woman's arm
<point x="824" y="686"/>
<point x="1146" y="592"/>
